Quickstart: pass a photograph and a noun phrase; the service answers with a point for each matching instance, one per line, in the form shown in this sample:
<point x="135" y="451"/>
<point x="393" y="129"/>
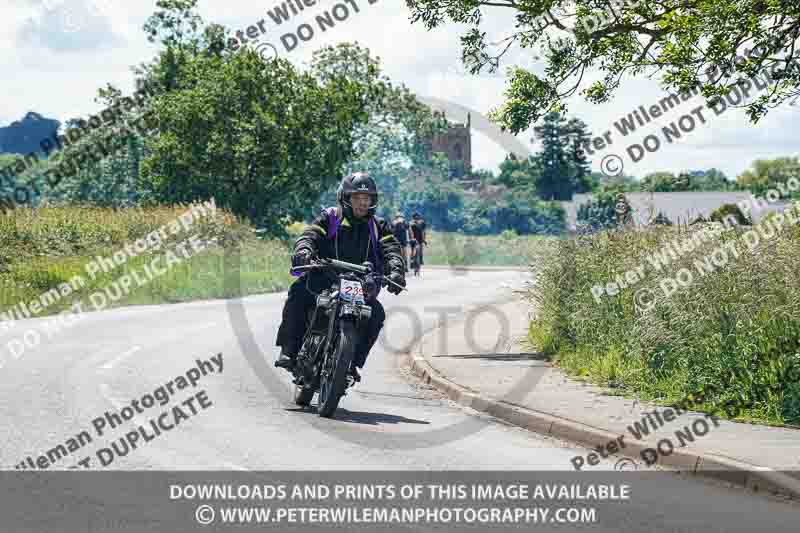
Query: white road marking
<point x="130" y="352"/>
<point x="110" y="364"/>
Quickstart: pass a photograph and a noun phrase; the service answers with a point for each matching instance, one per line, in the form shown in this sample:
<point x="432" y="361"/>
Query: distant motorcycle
<point x="334" y="328"/>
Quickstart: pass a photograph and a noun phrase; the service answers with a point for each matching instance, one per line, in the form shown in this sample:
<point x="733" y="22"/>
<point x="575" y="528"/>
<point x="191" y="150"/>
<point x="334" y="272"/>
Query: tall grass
<point x="736" y="329"/>
<point x="45" y="247"/>
<point x="506" y="249"/>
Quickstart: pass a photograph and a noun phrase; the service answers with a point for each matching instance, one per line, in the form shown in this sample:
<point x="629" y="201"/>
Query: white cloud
<point x="69" y="26"/>
<point x="57" y="72"/>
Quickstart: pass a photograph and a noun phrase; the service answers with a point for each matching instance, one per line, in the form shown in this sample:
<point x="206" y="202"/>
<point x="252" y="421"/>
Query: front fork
<point x="342" y="311"/>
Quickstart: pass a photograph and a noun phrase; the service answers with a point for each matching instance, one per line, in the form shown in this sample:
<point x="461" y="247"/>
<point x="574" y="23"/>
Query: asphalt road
<point x="390" y="421"/>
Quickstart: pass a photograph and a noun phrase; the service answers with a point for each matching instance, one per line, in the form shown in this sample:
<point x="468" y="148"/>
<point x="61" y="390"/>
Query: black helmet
<point x="354" y="183"/>
<point x="416" y="216"/>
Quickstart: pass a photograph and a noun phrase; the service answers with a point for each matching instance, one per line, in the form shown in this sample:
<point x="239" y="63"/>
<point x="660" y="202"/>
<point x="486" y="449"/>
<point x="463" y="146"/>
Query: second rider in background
<point x="418" y="239"/>
<point x="400" y="229"/>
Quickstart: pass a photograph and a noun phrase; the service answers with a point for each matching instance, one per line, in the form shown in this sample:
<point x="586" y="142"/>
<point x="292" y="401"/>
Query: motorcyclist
<point x="357" y="199"/>
<point x="418" y="237"/>
<point x="400" y="230"/>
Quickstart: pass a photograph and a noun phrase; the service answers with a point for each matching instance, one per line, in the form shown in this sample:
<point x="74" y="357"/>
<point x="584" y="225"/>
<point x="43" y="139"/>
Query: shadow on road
<point x="500" y="356"/>
<point x="373" y="419"/>
<point x="361" y="417"/>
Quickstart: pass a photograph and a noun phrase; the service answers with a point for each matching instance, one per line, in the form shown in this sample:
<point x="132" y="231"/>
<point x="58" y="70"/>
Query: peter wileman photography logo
<point x="290" y="40"/>
<point x="267" y="51"/>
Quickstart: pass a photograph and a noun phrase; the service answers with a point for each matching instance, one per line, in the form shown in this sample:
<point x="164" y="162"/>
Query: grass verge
<point x="506" y="249"/>
<point x="734" y="329"/>
<point x="47" y="249"/>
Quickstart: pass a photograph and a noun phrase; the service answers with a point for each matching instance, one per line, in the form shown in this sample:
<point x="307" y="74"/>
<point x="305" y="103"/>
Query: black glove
<point x="370" y="288"/>
<point x="302" y="258"/>
<point x="398" y="278"/>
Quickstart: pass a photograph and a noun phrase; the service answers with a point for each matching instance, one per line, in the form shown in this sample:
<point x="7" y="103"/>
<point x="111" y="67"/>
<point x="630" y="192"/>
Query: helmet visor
<point x="367" y="200"/>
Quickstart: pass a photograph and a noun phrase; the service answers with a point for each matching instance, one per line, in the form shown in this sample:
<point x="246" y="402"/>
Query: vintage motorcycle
<point x="334" y="326"/>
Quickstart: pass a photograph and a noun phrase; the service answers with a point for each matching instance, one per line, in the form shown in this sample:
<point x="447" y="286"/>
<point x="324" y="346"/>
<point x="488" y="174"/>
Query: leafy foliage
<point x="512" y="211"/>
<point x="399" y="125"/>
<point x="600" y="212"/>
<point x="711" y="180"/>
<point x="560" y="170"/>
<point x="724" y="212"/>
<point x="713" y="44"/>
<point x="248" y="135"/>
<point x="770" y="174"/>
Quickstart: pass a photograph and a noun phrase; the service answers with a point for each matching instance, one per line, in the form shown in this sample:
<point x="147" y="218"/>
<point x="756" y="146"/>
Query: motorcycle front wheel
<point x="303" y="395"/>
<point x="334" y="382"/>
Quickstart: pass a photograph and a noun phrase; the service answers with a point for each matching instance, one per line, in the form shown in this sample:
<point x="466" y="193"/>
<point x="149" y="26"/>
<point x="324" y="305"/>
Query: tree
<point x="522" y="213"/>
<point x="659" y="182"/>
<point x="710" y="44"/>
<point x="519" y="174"/>
<point x="392" y="143"/>
<point x="713" y="180"/>
<point x="556" y="181"/>
<point x="428" y="190"/>
<point x="621" y="183"/>
<point x="578" y="136"/>
<point x="768" y="173"/>
<point x="486" y="177"/>
<point x="399" y="125"/>
<point x="262" y="139"/>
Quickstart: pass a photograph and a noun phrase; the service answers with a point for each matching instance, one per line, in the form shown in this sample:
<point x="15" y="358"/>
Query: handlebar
<point x="335" y="263"/>
<point x="344" y="265"/>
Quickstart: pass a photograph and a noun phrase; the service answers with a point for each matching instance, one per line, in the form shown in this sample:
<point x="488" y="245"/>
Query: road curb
<point x="748" y="476"/>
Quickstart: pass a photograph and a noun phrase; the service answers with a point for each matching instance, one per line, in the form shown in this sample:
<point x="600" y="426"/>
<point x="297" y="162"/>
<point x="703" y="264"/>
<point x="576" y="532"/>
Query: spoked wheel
<point x="334" y="379"/>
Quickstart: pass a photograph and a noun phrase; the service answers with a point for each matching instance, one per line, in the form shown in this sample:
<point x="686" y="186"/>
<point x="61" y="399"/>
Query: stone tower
<point x="456" y="144"/>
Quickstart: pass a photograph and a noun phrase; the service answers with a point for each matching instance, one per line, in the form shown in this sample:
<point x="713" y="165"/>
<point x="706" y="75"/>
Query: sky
<point x="55" y="54"/>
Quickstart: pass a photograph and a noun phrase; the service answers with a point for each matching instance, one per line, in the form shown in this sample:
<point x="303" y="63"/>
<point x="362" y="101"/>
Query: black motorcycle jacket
<point x="352" y="242"/>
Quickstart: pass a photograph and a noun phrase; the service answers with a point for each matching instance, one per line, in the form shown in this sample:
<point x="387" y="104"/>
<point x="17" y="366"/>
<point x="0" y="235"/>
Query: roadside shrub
<point x="730" y="212"/>
<point x="600" y="212"/>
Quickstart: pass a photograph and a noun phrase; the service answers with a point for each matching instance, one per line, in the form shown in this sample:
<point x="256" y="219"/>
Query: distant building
<point x="678" y="207"/>
<point x="456" y="144"/>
